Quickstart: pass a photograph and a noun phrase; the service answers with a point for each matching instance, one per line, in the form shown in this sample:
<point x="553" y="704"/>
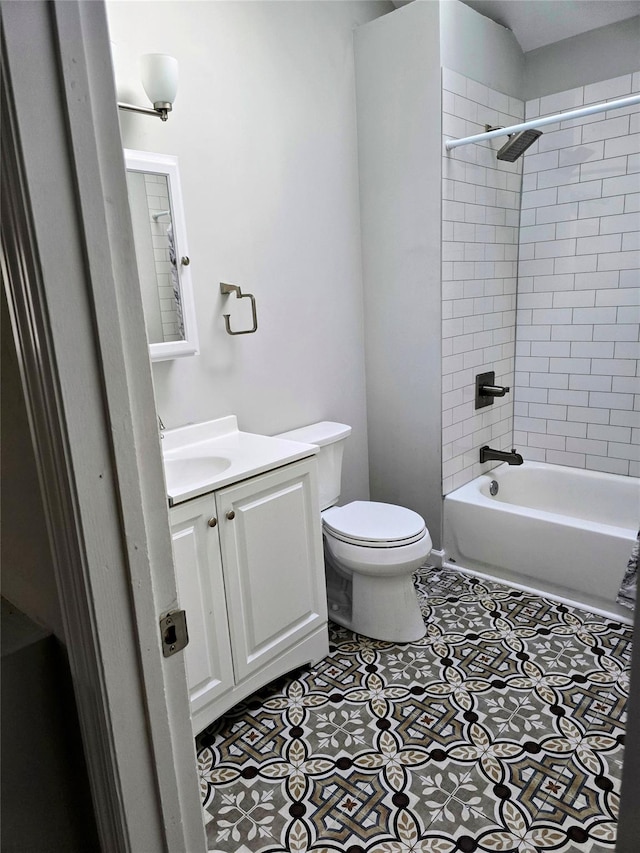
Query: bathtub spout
<point x="488" y="454"/>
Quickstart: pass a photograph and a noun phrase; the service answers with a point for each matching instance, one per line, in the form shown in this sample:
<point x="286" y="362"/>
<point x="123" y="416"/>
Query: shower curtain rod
<point x="540" y="122"/>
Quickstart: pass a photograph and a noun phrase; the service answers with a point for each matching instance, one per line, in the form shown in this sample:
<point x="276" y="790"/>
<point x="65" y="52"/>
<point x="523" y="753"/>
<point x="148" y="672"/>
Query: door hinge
<point x="173" y="632"/>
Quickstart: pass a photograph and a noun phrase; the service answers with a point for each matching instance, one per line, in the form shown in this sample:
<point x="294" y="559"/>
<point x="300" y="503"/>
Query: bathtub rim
<point x="471" y="494"/>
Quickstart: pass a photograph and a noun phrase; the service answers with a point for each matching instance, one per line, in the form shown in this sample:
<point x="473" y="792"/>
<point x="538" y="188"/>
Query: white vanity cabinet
<point x="196" y="555"/>
<point x="250" y="576"/>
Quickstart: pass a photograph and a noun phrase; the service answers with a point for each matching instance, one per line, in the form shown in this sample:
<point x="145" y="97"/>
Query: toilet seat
<point x="370" y="524"/>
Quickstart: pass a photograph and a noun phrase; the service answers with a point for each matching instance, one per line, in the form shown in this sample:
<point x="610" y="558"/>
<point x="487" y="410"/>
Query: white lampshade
<point x="159" y="73"/>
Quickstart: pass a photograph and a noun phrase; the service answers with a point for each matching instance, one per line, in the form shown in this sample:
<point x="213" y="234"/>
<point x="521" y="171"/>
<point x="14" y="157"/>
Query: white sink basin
<point x="203" y="457"/>
<point x="184" y="472"/>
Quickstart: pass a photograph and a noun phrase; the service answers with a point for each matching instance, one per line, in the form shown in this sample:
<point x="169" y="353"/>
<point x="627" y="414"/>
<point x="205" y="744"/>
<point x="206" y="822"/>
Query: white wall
<point x="264" y="130"/>
<point x="478" y="48"/>
<point x="398" y="61"/>
<point x="588" y="58"/>
<point x="398" y="102"/>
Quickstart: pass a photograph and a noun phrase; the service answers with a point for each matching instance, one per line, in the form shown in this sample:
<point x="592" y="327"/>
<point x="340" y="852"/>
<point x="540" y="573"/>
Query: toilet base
<point x="381" y="607"/>
<point x="386" y="608"/>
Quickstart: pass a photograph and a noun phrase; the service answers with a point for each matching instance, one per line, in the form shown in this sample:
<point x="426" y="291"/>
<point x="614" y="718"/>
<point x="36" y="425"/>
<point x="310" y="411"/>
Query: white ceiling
<point x="536" y="23"/>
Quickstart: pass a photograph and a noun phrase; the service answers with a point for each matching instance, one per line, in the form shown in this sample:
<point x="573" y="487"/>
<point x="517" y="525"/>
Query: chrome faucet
<point x="488" y="454"/>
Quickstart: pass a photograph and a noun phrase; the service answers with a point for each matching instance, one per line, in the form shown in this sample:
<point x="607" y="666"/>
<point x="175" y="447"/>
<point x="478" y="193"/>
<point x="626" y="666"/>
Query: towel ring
<point x="226" y="289"/>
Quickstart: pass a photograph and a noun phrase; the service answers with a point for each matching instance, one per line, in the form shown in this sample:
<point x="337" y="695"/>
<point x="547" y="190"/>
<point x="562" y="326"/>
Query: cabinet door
<point x="273" y="563"/>
<point x="196" y="553"/>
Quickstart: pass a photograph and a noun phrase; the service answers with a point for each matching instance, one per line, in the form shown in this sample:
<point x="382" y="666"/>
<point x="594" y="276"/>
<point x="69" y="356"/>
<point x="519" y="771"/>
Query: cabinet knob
<point x="212" y="521"/>
<point x="231" y="515"/>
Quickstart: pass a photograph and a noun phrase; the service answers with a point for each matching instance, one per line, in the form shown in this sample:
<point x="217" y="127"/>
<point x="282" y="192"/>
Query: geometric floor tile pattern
<point x="501" y="730"/>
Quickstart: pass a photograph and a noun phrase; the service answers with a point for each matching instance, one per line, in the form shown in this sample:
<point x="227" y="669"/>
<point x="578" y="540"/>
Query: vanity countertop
<point x="201" y="458"/>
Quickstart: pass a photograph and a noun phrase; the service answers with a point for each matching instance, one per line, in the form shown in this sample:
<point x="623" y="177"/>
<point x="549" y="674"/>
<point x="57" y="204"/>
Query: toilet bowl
<point x="371" y="550"/>
<point x="375" y="547"/>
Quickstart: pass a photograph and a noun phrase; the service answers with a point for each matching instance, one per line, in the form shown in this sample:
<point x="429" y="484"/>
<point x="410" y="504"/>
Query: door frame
<point x="69" y="269"/>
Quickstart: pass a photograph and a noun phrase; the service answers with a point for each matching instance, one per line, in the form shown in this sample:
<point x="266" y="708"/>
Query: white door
<point x="273" y="564"/>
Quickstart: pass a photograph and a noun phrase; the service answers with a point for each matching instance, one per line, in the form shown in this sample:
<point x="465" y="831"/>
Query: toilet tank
<point x="329" y="437"/>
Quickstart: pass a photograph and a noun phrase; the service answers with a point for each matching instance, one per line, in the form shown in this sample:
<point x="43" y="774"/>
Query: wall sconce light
<point x="159" y="73"/>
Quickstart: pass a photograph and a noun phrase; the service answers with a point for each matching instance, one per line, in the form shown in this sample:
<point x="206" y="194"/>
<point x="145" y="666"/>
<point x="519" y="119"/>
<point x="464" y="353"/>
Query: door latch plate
<point x="173" y="632"/>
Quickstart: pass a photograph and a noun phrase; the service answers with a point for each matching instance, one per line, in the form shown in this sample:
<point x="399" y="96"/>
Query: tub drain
<point x="493" y="488"/>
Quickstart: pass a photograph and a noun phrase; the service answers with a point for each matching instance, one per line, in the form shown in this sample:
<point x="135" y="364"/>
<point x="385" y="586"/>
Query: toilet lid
<point x="374" y="524"/>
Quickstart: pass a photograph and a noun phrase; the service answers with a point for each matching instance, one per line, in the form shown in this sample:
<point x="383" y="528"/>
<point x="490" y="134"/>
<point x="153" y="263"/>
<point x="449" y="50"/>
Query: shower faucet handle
<point x="494" y="390"/>
<point x="487" y="390"/>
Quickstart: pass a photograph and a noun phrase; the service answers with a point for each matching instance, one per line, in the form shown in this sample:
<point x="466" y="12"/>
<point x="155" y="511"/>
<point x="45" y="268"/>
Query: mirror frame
<point x="166" y="164"/>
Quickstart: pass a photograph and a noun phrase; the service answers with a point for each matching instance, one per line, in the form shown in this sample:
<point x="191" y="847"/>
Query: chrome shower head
<point x="517" y="144"/>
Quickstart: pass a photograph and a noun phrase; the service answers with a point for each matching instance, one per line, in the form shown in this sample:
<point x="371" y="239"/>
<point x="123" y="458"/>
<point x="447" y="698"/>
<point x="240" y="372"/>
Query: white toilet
<point x="371" y="549"/>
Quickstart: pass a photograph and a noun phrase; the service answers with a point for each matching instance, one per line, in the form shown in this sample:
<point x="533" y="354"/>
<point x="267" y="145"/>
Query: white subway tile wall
<point x="577" y="391"/>
<point x="481" y="206"/>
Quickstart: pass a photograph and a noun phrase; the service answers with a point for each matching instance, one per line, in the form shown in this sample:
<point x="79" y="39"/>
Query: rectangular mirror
<point x="159" y="233"/>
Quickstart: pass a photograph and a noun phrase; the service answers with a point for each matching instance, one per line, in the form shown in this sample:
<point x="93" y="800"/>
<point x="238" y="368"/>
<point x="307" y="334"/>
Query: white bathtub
<point x="552" y="529"/>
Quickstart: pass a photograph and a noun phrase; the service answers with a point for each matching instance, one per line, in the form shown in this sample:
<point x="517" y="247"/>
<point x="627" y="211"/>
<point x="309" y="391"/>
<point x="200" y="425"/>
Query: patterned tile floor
<point x="501" y="730"/>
